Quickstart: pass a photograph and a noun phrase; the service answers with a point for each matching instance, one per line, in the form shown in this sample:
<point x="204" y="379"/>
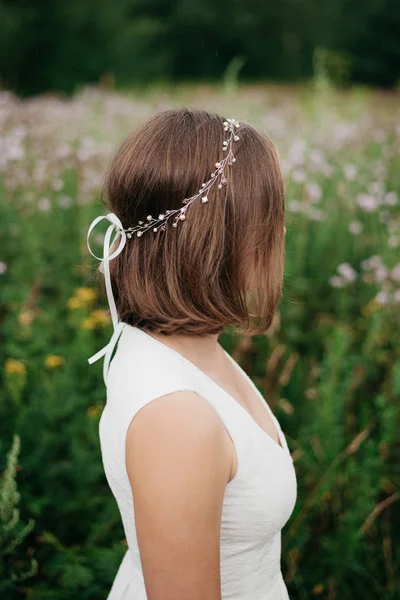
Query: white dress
<point x="257" y="502"/>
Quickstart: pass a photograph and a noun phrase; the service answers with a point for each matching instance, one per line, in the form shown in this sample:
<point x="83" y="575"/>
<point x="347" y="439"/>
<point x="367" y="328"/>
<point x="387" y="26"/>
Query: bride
<point x="195" y="458"/>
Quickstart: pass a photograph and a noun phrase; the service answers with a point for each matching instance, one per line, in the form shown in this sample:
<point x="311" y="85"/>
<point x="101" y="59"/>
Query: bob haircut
<point x="224" y="264"/>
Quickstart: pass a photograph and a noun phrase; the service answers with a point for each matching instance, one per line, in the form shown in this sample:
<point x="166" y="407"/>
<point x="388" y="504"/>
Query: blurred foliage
<point x="329" y="366"/>
<point x="13" y="570"/>
<point x="62" y="44"/>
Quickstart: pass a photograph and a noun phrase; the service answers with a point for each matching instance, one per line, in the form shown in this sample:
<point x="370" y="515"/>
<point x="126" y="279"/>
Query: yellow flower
<point x="82" y="298"/>
<point x="74" y="302"/>
<point x="15" y="367"/>
<point x="88" y="323"/>
<point x="26" y="317"/>
<point x="101" y="316"/>
<point x="52" y="361"/>
<point x="97" y="318"/>
<point x="318" y="589"/>
<point x="86" y="294"/>
<point x="93" y="411"/>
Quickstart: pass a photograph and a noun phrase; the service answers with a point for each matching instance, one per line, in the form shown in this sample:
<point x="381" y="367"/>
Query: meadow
<point x="329" y="366"/>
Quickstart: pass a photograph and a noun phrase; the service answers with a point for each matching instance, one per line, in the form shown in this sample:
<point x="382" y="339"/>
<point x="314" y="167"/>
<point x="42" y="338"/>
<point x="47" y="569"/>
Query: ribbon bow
<point x="117" y="227"/>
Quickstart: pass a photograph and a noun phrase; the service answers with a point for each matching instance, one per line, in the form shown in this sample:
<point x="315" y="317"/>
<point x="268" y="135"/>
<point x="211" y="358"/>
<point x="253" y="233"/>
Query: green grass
<point x="329" y="367"/>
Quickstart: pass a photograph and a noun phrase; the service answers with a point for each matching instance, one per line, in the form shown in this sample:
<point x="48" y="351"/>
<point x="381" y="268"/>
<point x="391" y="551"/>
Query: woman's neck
<point x="203" y="350"/>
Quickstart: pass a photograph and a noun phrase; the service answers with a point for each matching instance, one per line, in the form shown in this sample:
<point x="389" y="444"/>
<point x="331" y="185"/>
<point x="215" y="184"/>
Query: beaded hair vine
<point x="159" y="224"/>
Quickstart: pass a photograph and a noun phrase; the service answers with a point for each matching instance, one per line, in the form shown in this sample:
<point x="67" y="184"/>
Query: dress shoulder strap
<point x="140" y="373"/>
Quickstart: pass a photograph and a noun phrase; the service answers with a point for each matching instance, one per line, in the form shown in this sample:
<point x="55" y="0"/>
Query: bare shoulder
<point x="180" y="431"/>
<point x="178" y="464"/>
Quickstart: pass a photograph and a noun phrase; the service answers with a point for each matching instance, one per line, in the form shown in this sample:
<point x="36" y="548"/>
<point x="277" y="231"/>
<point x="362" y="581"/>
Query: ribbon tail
<point x="109" y="349"/>
<point x="98" y="355"/>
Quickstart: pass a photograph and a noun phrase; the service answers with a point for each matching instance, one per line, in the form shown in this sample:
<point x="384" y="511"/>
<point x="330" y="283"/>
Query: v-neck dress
<point x="258" y="501"/>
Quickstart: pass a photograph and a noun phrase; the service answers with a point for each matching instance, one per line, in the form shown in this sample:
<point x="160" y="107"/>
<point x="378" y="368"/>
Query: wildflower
<point x="15" y="367"/>
<point x="336" y="281"/>
<point x="381" y="273"/>
<point x="367" y="202"/>
<point x="377" y="187"/>
<point x="94" y="411"/>
<point x="296" y="206"/>
<point x="314" y="191"/>
<point x="390" y="199"/>
<point x="396" y="296"/>
<point x="26" y="317"/>
<point x="3" y="267"/>
<point x="299" y="176"/>
<point x="317" y="158"/>
<point x="101" y="316"/>
<point x="347" y="272"/>
<point x="350" y="172"/>
<point x="86" y="294"/>
<point x="355" y="227"/>
<point x="75" y="302"/>
<point x="374" y="262"/>
<point x="316" y="214"/>
<point x="97" y="318"/>
<point x="52" y="361"/>
<point x="382" y="298"/>
<point x="88" y="323"/>
<point x="395" y="273"/>
<point x="286" y="406"/>
<point x="318" y="589"/>
<point x="62" y="151"/>
<point x="65" y="201"/>
<point x="57" y="184"/>
<point x="44" y="205"/>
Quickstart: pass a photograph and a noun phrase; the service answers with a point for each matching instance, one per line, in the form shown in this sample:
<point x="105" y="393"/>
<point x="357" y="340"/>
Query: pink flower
<point x="44" y="205"/>
<point x="65" y="201"/>
<point x="314" y="191"/>
<point x="382" y="298"/>
<point x="296" y="206"/>
<point x="381" y="273"/>
<point x="316" y="214"/>
<point x="355" y="227"/>
<point x="374" y="262"/>
<point x="350" y="172"/>
<point x="299" y="176"/>
<point x="367" y="203"/>
<point x="395" y="273"/>
<point x="347" y="272"/>
<point x="336" y="282"/>
<point x="390" y="199"/>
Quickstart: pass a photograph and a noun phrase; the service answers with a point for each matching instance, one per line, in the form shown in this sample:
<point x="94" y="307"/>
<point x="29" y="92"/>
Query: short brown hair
<point x="224" y="264"/>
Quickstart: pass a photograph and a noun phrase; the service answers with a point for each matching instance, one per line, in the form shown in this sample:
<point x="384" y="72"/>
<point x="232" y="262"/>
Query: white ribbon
<point x="117" y="227"/>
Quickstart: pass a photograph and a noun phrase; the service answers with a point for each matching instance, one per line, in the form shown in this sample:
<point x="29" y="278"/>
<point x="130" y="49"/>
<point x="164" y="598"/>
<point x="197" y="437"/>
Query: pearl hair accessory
<point x="159" y="224"/>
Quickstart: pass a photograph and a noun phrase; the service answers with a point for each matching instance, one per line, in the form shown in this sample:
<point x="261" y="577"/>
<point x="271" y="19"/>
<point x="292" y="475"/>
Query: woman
<point x="196" y="460"/>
